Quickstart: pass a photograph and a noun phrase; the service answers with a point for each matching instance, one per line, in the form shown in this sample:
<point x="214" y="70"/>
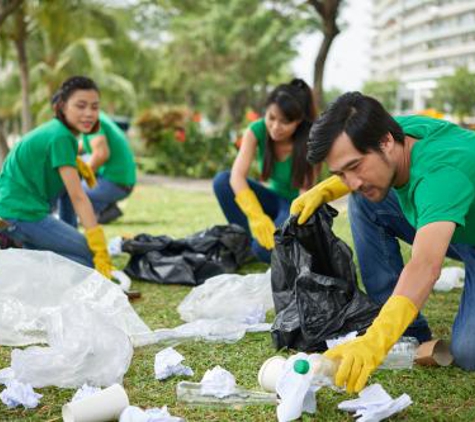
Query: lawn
<point x="439" y="394"/>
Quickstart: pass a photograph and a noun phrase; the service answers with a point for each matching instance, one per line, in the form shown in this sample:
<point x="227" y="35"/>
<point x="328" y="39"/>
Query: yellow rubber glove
<point x="326" y="191"/>
<point x="86" y="172"/>
<point x="96" y="241"/>
<point x="261" y="225"/>
<point x="361" y="356"/>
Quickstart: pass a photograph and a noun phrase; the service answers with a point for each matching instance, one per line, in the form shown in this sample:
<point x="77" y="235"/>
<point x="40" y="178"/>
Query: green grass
<point x="439" y="394"/>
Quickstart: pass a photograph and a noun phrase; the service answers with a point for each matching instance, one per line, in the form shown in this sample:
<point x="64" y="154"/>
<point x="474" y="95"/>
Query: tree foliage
<point x="456" y="94"/>
<point x="222" y="56"/>
<point x="384" y="91"/>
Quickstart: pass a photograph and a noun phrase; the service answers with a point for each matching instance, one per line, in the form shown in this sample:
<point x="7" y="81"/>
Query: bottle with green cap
<point x="322" y="368"/>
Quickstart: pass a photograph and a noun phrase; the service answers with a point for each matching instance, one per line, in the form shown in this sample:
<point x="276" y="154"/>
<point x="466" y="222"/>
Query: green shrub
<point x="177" y="146"/>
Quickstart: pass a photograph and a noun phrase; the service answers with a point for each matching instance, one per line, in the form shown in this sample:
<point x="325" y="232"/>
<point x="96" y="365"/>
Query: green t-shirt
<point x="441" y="184"/>
<point x="30" y="179"/>
<point x="120" y="167"/>
<point x="280" y="181"/>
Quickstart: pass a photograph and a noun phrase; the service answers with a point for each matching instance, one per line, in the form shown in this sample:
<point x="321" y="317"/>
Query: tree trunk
<point x="7" y="8"/>
<point x="328" y="11"/>
<point x="4" y="150"/>
<point x="20" y="45"/>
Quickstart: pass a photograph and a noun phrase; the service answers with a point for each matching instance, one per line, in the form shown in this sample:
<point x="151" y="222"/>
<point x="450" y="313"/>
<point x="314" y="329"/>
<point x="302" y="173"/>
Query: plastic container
<point x="402" y="354"/>
<point x="190" y="393"/>
<point x="105" y="405"/>
<point x="323" y="369"/>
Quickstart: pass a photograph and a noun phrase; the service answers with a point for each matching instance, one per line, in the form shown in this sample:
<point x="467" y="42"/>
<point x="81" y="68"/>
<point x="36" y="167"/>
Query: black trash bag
<point x="189" y="261"/>
<point x="314" y="285"/>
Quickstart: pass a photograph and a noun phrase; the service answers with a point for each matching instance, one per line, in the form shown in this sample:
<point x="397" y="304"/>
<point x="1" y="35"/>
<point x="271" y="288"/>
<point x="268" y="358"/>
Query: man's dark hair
<point x="68" y="88"/>
<point x="362" y="118"/>
<point x="295" y="101"/>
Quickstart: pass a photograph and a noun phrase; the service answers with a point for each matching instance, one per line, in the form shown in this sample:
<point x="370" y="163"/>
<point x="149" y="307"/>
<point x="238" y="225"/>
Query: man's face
<point x="371" y="174"/>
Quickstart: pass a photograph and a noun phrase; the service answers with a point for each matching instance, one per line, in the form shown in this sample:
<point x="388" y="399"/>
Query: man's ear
<point x="387" y="142"/>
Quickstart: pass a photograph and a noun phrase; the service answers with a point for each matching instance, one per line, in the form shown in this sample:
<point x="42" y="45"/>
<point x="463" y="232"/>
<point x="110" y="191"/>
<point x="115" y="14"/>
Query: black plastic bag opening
<point x="314" y="285"/>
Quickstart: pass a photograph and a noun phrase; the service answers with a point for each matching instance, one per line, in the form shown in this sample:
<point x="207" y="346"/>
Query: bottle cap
<point x="301" y="366"/>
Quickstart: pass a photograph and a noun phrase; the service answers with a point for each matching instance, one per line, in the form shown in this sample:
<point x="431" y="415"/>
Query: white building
<point x="417" y="41"/>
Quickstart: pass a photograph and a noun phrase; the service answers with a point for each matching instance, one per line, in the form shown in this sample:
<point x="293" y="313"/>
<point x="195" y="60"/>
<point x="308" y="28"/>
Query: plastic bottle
<point x="190" y="392"/>
<point x="401" y="355"/>
<point x="323" y="369"/>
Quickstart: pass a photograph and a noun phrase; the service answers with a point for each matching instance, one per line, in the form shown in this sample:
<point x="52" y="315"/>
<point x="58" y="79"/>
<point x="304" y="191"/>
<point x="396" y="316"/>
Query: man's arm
<point x="422" y="271"/>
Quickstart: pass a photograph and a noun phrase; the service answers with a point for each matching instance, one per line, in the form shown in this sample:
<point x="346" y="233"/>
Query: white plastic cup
<point x="269" y="373"/>
<point x="105" y="405"/>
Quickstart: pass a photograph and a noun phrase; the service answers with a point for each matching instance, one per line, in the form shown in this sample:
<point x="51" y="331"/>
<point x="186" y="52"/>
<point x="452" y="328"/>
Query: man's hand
<point x="361" y="356"/>
<point x="326" y="191"/>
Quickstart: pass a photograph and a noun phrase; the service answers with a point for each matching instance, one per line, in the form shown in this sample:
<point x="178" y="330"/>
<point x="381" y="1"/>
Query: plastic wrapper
<point x="251" y="298"/>
<point x="34" y="285"/>
<point x="189" y="261"/>
<point x="314" y="285"/>
<point x="84" y="347"/>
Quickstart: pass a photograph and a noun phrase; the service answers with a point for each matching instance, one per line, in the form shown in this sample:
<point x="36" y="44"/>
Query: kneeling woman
<point x="41" y="167"/>
<point x="280" y="142"/>
<point x="112" y="160"/>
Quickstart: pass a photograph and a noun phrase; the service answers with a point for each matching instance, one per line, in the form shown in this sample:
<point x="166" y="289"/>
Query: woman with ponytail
<point x="44" y="165"/>
<point x="280" y="143"/>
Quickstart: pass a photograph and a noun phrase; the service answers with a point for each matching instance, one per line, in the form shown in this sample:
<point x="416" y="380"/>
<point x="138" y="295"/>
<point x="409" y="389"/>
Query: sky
<point x="347" y="65"/>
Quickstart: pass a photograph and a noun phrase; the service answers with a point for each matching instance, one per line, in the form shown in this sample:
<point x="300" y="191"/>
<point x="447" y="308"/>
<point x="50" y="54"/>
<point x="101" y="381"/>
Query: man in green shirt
<point x="412" y="178"/>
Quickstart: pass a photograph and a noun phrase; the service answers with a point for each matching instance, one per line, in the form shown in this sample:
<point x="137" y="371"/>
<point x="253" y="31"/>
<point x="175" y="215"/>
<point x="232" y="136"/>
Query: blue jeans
<point x="376" y="228"/>
<point x="102" y="195"/>
<point x="51" y="234"/>
<point x="274" y="206"/>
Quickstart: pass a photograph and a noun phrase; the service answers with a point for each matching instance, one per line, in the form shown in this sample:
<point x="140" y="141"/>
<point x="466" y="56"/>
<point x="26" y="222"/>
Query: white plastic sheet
<point x="36" y="284"/>
<point x="85" y="318"/>
<point x="230" y="296"/>
<point x="84" y="347"/>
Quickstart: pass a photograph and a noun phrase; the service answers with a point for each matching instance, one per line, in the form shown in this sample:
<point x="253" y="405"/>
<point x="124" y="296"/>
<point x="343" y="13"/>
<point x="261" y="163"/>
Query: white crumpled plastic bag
<point x="230" y="296"/>
<point x="35" y="284"/>
<point x="85" y="318"/>
<point x="85" y="347"/>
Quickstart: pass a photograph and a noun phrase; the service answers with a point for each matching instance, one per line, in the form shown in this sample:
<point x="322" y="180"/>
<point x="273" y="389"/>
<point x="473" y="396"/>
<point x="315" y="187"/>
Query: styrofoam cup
<point x="105" y="405"/>
<point x="269" y="373"/>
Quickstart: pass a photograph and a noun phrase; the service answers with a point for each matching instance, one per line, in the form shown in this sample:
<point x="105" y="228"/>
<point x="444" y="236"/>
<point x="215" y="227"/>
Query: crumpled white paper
<point x="168" y="363"/>
<point x="85" y="391"/>
<point x="375" y="404"/>
<point x="135" y="414"/>
<point x="218" y="382"/>
<point x="114" y="246"/>
<point x="450" y="278"/>
<point x="19" y="394"/>
<point x="295" y="391"/>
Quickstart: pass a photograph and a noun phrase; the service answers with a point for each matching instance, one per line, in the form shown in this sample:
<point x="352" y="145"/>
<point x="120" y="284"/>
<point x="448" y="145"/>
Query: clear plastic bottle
<point x="190" y="393"/>
<point x="401" y="355"/>
<point x="323" y="369"/>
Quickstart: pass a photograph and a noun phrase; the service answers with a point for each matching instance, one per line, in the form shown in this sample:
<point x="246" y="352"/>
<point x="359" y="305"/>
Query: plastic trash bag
<point x="85" y="347"/>
<point x="251" y="298"/>
<point x="314" y="285"/>
<point x="35" y="284"/>
<point x="189" y="261"/>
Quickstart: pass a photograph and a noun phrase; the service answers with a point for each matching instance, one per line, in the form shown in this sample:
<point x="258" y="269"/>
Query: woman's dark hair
<point x="68" y="87"/>
<point x="362" y="118"/>
<point x="295" y="101"/>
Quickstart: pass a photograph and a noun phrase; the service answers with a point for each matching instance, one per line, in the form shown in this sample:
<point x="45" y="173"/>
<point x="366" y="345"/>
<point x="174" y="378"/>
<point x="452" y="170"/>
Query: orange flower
<point x="180" y="135"/>
<point x="252" y="116"/>
<point x="196" y="117"/>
